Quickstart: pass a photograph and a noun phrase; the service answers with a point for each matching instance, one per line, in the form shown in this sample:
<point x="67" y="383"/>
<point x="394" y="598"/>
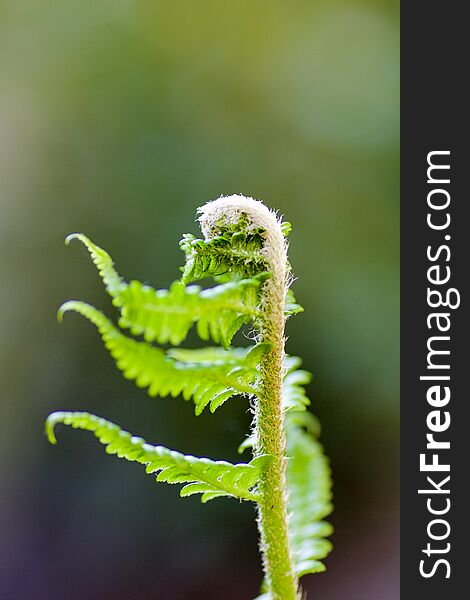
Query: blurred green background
<point x="119" y="118"/>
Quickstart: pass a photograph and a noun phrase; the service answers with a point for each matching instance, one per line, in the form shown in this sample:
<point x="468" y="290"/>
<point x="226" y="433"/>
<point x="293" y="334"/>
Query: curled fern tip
<point x="50" y="424"/>
<point x="72" y="236"/>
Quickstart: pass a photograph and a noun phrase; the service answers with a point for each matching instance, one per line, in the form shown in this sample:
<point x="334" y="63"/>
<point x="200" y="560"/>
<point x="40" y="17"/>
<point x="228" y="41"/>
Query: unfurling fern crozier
<point x="244" y="252"/>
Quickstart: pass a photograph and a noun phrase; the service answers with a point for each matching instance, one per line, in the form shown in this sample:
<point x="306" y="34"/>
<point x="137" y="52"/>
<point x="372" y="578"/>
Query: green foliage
<point x="292" y="308"/>
<point x="309" y="494"/>
<point x="168" y="315"/>
<point x="208" y="382"/>
<point x="104" y="263"/>
<point x="308" y="476"/>
<point x="234" y="253"/>
<point x="293" y="394"/>
<point x="237" y="255"/>
<point x="212" y="479"/>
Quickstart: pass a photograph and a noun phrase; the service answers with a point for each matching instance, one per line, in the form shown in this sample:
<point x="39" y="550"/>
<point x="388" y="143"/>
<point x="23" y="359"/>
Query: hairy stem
<point x="269" y="426"/>
<point x="270" y="436"/>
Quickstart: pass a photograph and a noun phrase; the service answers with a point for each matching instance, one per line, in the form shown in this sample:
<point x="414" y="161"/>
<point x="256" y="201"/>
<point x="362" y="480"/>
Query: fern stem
<point x="269" y="424"/>
<point x="281" y="580"/>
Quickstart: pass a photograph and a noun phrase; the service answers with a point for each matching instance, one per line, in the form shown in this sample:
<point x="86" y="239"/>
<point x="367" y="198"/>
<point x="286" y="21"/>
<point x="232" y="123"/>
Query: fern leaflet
<point x="248" y="357"/>
<point x="104" y="263"/>
<point x="212" y="479"/>
<point x="309" y="496"/>
<point x="235" y="254"/>
<point x="168" y="315"/>
<point x="293" y="394"/>
<point x="164" y="375"/>
<point x="308" y="476"/>
<point x="292" y="308"/>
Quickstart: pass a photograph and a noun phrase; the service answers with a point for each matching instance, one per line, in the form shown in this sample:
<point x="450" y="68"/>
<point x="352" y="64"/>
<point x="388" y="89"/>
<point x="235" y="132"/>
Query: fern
<point x="168" y="315"/>
<point x="235" y="254"/>
<point x="202" y="476"/>
<point x="163" y="375"/>
<point x="292" y="308"/>
<point x="244" y="251"/>
<point x="306" y="463"/>
<point x="104" y="263"/>
<point x="293" y="394"/>
<point x="309" y="493"/>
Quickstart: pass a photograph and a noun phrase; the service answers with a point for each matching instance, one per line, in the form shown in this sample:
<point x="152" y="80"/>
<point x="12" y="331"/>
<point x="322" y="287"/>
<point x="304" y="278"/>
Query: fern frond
<point x="168" y="315"/>
<point x="249" y="357"/>
<point x="232" y="248"/>
<point x="210" y="478"/>
<point x="236" y="254"/>
<point x="309" y="496"/>
<point x="158" y="371"/>
<point x="113" y="282"/>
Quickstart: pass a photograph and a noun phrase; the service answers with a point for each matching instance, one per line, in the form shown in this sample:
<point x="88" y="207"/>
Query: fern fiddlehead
<point x="245" y="250"/>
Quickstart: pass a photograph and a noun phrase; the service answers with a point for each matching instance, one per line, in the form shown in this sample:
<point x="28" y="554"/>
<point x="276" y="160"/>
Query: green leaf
<point x="232" y="250"/>
<point x="292" y="308"/>
<point x="248" y="442"/>
<point x="168" y="315"/>
<point x="235" y="254"/>
<point x="286" y="228"/>
<point x="294" y="396"/>
<point x="243" y="357"/>
<point x="104" y="263"/>
<point x="210" y="478"/>
<point x="210" y="356"/>
<point x="309" y="496"/>
<point x="163" y="375"/>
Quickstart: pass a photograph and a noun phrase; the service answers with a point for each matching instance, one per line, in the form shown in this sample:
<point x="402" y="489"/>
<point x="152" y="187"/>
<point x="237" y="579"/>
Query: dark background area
<point x="119" y="119"/>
